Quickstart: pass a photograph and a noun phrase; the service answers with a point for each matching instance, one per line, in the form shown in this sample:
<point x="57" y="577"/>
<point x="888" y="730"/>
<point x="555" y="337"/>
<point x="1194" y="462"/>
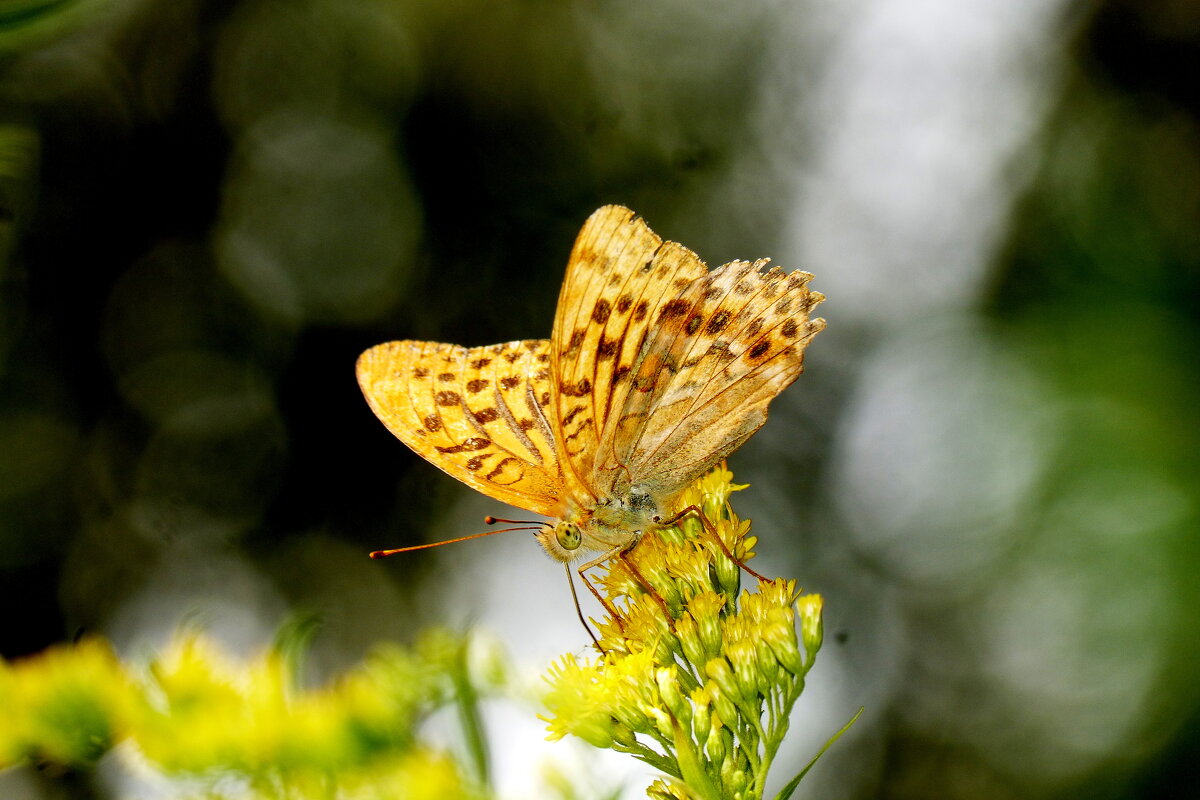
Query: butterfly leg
<point x="712" y="532"/>
<point x="646" y="585"/>
<point x="582" y="570"/>
<point x="622" y="553"/>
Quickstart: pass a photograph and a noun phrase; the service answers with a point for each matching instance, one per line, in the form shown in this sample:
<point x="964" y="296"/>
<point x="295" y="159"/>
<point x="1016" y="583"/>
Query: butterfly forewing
<point x="620" y="278"/>
<point x="479" y="414"/>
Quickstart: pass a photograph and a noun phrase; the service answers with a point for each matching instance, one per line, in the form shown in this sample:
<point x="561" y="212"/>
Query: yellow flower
<point x="688" y="661"/>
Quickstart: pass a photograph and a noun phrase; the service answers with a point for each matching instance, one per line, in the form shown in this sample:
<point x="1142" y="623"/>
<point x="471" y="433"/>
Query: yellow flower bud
<point x="662" y="721"/>
<point x="726" y="711"/>
<point x="709" y="626"/>
<point x="714" y="745"/>
<point x="623" y="734"/>
<point x="733" y="766"/>
<point x="668" y="689"/>
<point x="594" y="729"/>
<point x="689" y="639"/>
<point x="739" y="779"/>
<point x="701" y="714"/>
<point x="780" y="635"/>
<point x="719" y="670"/>
<point x="729" y="574"/>
<point x="768" y="666"/>
<point x="811" y="627"/>
<point x="742" y="657"/>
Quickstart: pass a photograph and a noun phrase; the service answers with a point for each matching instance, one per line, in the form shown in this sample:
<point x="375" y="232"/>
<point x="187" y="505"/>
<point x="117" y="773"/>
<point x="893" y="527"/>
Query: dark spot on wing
<point x="674" y="308"/>
<point x="580" y="389"/>
<point x="500" y="468"/>
<point x="601" y="311"/>
<point x="717" y="322"/>
<point x="474" y="443"/>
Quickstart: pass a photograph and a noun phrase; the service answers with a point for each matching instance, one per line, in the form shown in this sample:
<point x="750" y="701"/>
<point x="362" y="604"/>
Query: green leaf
<point x="786" y="791"/>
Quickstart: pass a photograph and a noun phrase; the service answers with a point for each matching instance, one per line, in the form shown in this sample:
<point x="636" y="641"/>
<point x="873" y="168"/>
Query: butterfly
<point x="656" y="369"/>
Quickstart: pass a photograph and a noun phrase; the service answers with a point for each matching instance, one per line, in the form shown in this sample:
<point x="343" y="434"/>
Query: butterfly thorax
<point x="613" y="523"/>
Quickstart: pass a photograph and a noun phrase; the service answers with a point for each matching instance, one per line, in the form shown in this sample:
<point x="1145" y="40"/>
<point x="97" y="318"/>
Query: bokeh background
<point x="208" y="209"/>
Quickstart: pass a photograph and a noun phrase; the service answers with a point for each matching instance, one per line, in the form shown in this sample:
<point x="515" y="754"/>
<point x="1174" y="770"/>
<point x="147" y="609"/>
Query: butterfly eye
<point x="568" y="535"/>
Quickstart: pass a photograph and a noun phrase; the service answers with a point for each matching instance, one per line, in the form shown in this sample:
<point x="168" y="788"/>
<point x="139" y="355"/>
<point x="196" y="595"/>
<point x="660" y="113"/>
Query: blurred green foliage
<point x="25" y="23"/>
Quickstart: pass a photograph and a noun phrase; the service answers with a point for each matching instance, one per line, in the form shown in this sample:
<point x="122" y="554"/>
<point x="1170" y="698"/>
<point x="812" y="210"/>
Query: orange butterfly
<point x="656" y="370"/>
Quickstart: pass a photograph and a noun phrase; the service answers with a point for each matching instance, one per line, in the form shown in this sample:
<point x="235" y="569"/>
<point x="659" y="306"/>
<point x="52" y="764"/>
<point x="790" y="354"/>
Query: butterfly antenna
<point x="386" y="553"/>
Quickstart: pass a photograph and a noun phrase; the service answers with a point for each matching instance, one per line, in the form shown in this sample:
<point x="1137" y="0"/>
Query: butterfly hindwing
<point x="708" y="371"/>
<point x="479" y="414"/>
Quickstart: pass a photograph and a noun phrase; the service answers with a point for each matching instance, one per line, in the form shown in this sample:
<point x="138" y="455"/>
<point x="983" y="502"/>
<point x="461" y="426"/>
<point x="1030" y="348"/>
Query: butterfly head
<point x="562" y="540"/>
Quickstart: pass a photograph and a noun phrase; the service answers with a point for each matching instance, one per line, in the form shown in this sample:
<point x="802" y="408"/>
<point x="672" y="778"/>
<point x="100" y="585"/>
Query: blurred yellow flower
<point x="67" y="705"/>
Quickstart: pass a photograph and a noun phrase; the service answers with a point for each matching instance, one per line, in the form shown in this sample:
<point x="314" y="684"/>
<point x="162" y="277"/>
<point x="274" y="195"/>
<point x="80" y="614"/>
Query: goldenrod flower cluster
<point x="702" y="692"/>
<point x="199" y="715"/>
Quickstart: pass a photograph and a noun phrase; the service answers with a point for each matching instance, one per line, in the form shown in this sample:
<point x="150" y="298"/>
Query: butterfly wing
<point x="477" y="414"/>
<point x="734" y="340"/>
<point x="620" y="281"/>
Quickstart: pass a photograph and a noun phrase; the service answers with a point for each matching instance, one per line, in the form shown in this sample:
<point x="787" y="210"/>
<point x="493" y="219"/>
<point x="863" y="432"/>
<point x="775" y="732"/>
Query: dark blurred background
<point x="208" y="209"/>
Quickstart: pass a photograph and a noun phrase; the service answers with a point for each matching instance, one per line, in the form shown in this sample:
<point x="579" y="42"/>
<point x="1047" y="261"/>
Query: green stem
<point x="468" y="714"/>
<point x="780" y="723"/>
